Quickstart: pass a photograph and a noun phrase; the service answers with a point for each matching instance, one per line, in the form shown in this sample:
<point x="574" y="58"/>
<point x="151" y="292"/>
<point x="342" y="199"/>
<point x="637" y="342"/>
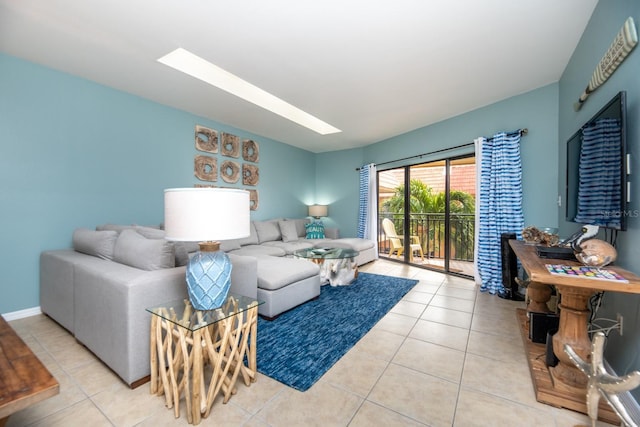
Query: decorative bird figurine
<point x="586" y="232"/>
<point x="589" y="251"/>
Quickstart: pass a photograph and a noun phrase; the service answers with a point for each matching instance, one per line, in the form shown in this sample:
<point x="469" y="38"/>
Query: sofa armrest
<point x="56" y="284"/>
<point x="110" y="315"/>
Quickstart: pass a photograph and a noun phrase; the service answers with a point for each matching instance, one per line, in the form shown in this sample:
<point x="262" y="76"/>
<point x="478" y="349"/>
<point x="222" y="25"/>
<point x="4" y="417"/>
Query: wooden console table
<point x="564" y="385"/>
<point x="24" y="380"/>
<point x="183" y="340"/>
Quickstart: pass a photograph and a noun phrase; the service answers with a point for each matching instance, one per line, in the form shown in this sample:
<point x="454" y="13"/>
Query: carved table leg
<point x="572" y="330"/>
<point x="539" y="295"/>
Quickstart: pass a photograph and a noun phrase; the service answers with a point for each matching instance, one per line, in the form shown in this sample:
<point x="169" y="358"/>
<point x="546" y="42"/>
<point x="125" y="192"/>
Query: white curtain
<point x="368" y="211"/>
<point x="478" y="148"/>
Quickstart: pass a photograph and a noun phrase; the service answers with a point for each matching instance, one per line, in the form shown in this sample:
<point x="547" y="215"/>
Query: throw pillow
<point x="268" y="231"/>
<point x="96" y="243"/>
<point x="113" y="227"/>
<point x="150" y="233"/>
<point x="181" y="254"/>
<point x="135" y="250"/>
<point x="288" y="230"/>
<point x="300" y="223"/>
<point x="179" y="248"/>
<point x="315" y="230"/>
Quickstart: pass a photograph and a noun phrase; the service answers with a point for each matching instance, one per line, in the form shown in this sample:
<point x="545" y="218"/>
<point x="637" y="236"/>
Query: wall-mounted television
<point x="597" y="187"/>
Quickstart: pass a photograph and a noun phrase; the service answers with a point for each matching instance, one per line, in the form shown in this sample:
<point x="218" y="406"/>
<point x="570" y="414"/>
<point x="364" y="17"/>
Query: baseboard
<point x="21" y="314"/>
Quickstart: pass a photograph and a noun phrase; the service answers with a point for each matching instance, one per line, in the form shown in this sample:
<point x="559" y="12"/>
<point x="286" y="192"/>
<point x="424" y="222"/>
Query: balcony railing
<point x="430" y="229"/>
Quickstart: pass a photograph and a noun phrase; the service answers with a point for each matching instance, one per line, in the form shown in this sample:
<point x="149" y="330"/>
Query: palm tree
<point x="422" y="200"/>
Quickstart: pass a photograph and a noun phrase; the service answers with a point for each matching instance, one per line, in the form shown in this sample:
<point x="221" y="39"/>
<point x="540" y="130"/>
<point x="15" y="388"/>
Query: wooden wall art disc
<point x="253" y="199"/>
<point x="206" y="168"/>
<point x="250" y="151"/>
<point x="230" y="145"/>
<point x="250" y="175"/>
<point x="206" y="139"/>
<point x="230" y="171"/>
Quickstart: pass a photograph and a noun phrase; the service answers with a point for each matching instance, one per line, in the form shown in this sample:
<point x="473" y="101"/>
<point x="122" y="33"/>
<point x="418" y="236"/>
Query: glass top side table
<point x="184" y="339"/>
<point x="182" y="313"/>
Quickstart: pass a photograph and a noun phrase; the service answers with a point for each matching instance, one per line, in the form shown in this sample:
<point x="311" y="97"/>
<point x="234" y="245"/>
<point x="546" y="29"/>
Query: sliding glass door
<point x="426" y="214"/>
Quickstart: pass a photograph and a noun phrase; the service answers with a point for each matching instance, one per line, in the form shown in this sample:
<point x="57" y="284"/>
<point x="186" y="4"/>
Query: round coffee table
<point x="337" y="265"/>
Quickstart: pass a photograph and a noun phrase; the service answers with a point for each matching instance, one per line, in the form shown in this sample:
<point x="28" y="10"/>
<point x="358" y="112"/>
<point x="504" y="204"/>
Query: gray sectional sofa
<point x="282" y="237"/>
<point x="99" y="289"/>
<point x="102" y="302"/>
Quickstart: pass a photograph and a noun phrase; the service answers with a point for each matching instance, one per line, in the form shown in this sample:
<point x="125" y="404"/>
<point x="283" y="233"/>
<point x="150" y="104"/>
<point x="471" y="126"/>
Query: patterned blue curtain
<point x="368" y="209"/>
<point x="499" y="204"/>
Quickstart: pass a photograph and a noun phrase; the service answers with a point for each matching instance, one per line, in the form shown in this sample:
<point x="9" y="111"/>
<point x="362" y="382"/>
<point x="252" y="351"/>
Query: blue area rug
<point x="299" y="346"/>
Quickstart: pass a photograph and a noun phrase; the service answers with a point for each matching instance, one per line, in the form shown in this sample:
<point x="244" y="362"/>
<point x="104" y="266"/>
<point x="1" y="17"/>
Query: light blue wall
<point x="606" y="21"/>
<point x="337" y="185"/>
<point x="536" y="110"/>
<point x="77" y="154"/>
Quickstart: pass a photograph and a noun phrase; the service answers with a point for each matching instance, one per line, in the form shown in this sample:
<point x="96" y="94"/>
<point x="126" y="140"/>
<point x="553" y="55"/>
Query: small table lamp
<point x="206" y="215"/>
<point x="317" y="211"/>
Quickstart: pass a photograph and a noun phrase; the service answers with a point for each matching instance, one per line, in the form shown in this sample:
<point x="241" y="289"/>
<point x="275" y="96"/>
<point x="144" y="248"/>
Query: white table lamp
<point x="207" y="215"/>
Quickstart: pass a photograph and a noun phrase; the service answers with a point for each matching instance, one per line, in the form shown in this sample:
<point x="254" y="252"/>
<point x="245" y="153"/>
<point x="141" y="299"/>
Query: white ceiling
<point x="372" y="68"/>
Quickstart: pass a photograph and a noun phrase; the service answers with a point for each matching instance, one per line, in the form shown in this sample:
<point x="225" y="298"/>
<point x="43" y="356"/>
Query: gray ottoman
<point x="284" y="283"/>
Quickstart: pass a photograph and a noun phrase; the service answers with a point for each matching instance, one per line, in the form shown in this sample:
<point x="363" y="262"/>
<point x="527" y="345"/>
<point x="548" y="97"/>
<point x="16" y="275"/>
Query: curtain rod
<point x="521" y="132"/>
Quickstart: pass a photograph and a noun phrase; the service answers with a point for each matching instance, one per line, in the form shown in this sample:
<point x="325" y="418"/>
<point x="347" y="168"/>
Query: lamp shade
<point x="206" y="214"/>
<point x="318" y="210"/>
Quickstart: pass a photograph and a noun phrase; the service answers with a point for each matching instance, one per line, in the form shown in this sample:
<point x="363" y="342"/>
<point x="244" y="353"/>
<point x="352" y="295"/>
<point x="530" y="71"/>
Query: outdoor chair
<point x="396" y="241"/>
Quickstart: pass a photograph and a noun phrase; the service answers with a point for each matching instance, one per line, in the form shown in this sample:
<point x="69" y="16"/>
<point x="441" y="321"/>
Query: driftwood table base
<point x="201" y="363"/>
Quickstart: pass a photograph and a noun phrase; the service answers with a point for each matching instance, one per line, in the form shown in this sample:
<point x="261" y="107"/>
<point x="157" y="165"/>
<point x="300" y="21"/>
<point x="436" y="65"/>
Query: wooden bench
<point x="24" y="380"/>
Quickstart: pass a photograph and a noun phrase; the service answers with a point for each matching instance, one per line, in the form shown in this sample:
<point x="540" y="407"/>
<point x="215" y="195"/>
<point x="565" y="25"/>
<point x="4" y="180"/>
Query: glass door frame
<point x="406" y="220"/>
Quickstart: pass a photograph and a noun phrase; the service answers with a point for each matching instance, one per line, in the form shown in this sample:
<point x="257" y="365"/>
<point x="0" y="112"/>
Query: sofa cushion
<point x="354" y="243"/>
<point x="288" y="230"/>
<point x="290" y="247"/>
<point x="258" y="250"/>
<point x="135" y="250"/>
<point x="179" y="248"/>
<point x="97" y="243"/>
<point x="181" y="254"/>
<point x="150" y="233"/>
<point x="229" y="245"/>
<point x="300" y="225"/>
<point x="268" y="231"/>
<point x="114" y="227"/>
<point x="191" y="246"/>
<point x="315" y="230"/>
<point x="275" y="273"/>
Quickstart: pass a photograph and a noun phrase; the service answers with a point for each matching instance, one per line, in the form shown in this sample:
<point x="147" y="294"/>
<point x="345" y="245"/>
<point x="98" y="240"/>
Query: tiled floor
<point x="445" y="355"/>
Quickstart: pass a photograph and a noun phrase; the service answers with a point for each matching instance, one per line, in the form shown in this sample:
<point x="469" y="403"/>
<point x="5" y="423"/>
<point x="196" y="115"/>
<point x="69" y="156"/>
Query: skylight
<point x="185" y="61"/>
